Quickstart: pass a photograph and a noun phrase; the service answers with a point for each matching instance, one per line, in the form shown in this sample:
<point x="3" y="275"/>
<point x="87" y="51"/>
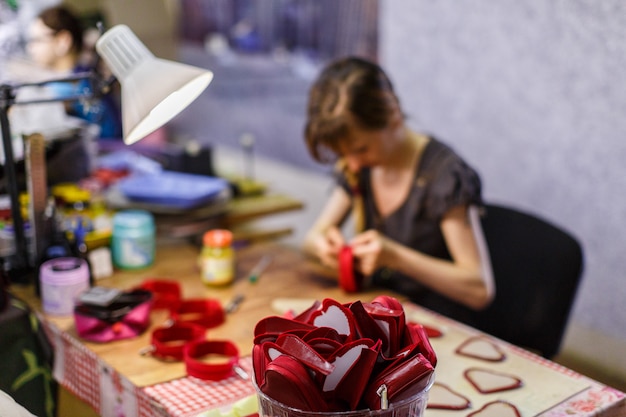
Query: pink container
<point x="62" y="281"/>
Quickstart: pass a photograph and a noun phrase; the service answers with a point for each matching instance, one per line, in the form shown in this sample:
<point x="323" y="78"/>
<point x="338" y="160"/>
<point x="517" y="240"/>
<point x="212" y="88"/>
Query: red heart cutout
<point x="353" y="363"/>
<point x="496" y="409"/>
<point x="299" y="349"/>
<point x="388" y="301"/>
<point x="480" y="347"/>
<point x="487" y="381"/>
<point x="367" y="327"/>
<point x="305" y="316"/>
<point x="392" y="322"/>
<point x="403" y="379"/>
<point x="275" y="325"/>
<point x="336" y="316"/>
<point x="431" y="331"/>
<point x="289" y="382"/>
<point x="324" y="340"/>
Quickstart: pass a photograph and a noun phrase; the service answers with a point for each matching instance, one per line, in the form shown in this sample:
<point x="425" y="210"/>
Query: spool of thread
<point x="62" y="280"/>
<point x="133" y="239"/>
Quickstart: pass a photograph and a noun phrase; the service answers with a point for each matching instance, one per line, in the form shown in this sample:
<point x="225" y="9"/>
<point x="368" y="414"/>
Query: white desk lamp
<point x="154" y="90"/>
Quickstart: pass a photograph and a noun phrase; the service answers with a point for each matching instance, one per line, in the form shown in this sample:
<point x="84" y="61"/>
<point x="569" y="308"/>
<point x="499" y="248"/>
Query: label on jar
<point x="217" y="270"/>
<point x="133" y="252"/>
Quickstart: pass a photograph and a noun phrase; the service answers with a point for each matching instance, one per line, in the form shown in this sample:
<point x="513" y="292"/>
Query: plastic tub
<point x="133" y="239"/>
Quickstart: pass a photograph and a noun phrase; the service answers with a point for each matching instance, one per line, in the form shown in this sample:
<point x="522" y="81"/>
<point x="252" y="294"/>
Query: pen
<point x="258" y="269"/>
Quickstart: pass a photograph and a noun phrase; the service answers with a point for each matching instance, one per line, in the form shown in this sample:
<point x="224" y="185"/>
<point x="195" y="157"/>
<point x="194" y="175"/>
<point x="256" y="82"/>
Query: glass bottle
<point x="217" y="259"/>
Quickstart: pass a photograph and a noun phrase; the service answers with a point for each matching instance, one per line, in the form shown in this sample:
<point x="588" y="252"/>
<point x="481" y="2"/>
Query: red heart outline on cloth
<point x="480" y="347"/>
<point x="487" y="381"/>
<point x="496" y="409"/>
<point x="442" y="397"/>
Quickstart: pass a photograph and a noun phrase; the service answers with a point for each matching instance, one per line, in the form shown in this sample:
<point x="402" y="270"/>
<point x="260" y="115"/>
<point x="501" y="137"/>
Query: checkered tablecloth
<point x="190" y="396"/>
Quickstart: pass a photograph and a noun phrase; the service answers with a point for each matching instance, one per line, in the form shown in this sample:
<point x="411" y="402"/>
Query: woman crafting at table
<point x="410" y="193"/>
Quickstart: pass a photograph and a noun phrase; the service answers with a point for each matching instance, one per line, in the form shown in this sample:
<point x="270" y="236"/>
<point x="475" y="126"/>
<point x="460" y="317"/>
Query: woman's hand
<point x="328" y="245"/>
<point x="369" y="249"/>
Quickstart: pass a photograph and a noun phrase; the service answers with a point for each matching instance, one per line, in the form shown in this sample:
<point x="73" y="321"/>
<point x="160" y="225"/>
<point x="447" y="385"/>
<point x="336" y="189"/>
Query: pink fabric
<point x="132" y="324"/>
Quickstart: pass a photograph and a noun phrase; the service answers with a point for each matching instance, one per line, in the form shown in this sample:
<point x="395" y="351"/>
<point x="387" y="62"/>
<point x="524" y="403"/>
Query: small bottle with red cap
<point x="217" y="259"/>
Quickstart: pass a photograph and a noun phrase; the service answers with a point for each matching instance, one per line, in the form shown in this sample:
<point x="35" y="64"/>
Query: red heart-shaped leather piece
<point x="289" y="382"/>
<point x="336" y="316"/>
<point x="353" y="363"/>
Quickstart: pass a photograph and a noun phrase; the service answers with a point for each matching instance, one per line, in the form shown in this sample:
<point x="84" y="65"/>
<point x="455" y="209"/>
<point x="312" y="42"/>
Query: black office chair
<point x="537" y="268"/>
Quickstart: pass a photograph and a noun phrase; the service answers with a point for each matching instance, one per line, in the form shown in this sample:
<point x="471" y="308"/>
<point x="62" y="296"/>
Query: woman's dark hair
<point x="61" y="18"/>
<point x="348" y="92"/>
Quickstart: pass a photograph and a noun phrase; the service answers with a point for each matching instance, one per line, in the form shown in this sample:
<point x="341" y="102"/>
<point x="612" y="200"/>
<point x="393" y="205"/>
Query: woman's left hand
<point x="369" y="249"/>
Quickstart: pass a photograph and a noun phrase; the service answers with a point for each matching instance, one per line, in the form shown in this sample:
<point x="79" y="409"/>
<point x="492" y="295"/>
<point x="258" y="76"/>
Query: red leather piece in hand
<point x="350" y="280"/>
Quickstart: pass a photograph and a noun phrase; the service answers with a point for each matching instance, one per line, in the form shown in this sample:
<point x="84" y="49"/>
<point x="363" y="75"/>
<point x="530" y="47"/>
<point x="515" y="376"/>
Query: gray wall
<point x="533" y="94"/>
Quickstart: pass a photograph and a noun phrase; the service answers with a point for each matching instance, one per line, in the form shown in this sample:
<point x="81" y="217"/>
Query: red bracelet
<point x="205" y="312"/>
<point x="166" y="293"/>
<point x="168" y="342"/>
<point x="208" y="371"/>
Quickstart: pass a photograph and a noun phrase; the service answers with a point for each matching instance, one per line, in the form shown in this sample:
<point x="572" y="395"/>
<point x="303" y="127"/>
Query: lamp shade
<point x="154" y="90"/>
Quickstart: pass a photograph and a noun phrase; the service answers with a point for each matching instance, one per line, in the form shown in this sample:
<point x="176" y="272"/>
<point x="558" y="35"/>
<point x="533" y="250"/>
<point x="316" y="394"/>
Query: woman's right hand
<point x="328" y="245"/>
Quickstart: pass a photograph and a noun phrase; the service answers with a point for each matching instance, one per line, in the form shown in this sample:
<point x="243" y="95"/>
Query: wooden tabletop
<point x="290" y="275"/>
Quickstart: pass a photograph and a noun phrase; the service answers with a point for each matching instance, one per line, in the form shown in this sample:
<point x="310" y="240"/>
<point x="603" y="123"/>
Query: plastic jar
<point x="62" y="280"/>
<point x="217" y="259"/>
<point x="133" y="239"/>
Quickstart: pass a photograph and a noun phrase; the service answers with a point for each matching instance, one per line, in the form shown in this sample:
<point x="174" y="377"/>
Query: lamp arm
<point x="20" y="262"/>
<point x="100" y="86"/>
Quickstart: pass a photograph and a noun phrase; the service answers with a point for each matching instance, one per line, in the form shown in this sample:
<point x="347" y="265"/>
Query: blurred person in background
<point x="56" y="43"/>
